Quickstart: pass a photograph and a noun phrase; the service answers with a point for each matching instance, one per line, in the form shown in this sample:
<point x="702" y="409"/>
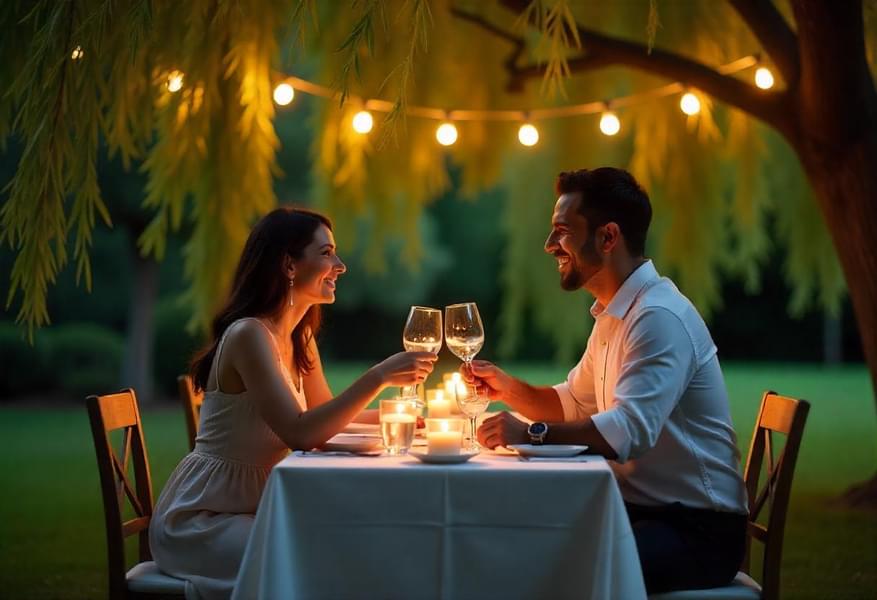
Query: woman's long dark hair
<point x="259" y="288"/>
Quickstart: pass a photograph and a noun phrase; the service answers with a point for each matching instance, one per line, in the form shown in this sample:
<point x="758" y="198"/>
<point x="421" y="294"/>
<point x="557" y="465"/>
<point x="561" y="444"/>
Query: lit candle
<point x="443" y="439"/>
<point x="439" y="408"/>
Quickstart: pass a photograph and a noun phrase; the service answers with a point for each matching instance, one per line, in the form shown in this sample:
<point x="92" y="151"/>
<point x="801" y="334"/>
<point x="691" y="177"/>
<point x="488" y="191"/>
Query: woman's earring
<point x="291" y="303"/>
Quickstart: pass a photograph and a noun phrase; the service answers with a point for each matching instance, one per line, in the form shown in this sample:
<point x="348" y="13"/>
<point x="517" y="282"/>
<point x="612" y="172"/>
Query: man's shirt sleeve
<point x="657" y="365"/>
<point x="577" y="397"/>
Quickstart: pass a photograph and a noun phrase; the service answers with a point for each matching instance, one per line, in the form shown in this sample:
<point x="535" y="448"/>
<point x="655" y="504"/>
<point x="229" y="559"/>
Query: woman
<point x="265" y="392"/>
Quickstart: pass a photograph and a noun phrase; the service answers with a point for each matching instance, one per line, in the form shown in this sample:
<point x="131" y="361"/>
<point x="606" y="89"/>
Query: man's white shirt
<point x="651" y="382"/>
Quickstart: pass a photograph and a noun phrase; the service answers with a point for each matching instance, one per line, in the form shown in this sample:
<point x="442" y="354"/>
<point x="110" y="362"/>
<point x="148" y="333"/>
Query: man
<point x="648" y="394"/>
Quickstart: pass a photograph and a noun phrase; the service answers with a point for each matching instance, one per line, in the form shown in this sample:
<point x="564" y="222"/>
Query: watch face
<point x="538" y="428"/>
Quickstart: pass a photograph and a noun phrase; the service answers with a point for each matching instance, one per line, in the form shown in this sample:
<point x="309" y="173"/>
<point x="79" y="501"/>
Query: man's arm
<point x="504" y="430"/>
<point x="539" y="403"/>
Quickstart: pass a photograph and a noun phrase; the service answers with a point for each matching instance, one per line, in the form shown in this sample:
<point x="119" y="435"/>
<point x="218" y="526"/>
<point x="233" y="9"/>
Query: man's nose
<point x="550" y="244"/>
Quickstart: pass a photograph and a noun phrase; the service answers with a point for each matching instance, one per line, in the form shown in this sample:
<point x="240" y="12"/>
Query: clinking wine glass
<point x="464" y="334"/>
<point x="422" y="333"/>
<point x="472" y="403"/>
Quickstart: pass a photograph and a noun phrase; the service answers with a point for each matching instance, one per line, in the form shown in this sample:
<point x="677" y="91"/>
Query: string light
<point x="689" y="104"/>
<point x="175" y="81"/>
<point x="609" y="123"/>
<point x="363" y="122"/>
<point x="77" y="53"/>
<point x="283" y="94"/>
<point x="528" y="135"/>
<point x="763" y="78"/>
<point x="446" y="134"/>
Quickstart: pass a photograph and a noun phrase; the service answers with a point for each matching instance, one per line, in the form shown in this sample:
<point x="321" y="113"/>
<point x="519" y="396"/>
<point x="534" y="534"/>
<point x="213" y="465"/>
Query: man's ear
<point x="611" y="237"/>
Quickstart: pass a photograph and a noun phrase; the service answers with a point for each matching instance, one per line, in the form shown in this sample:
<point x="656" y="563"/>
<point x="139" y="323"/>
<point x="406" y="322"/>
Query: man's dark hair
<point x="610" y="195"/>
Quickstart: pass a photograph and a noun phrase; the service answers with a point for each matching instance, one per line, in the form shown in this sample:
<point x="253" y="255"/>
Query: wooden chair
<point x="119" y="412"/>
<point x="778" y="414"/>
<point x="191" y="401"/>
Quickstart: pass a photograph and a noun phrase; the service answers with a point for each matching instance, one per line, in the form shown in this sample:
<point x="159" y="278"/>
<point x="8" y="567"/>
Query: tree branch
<point x="774" y="35"/>
<point x="602" y="50"/>
<point x="510" y="63"/>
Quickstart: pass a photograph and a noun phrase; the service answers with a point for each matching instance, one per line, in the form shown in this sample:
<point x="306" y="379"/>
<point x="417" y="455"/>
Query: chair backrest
<point x="191" y="401"/>
<point x="110" y="413"/>
<point x="769" y="502"/>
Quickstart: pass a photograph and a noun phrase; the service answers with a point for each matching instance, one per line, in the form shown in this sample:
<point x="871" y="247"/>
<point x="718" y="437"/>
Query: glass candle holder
<point x="444" y="436"/>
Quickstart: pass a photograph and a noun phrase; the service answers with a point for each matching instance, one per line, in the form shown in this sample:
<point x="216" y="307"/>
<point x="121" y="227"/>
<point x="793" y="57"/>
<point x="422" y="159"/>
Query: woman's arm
<point x="253" y="356"/>
<point x="318" y="392"/>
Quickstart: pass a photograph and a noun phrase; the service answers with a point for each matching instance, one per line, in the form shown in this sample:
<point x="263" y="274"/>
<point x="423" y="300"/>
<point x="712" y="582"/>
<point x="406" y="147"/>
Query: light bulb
<point x="363" y="122"/>
<point x="763" y="78"/>
<point x="175" y="81"/>
<point x="283" y="94"/>
<point x="528" y="135"/>
<point x="609" y="123"/>
<point x="689" y="104"/>
<point x="77" y="53"/>
<point x="446" y="134"/>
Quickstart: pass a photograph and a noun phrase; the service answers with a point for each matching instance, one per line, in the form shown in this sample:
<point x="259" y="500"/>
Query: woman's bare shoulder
<point x="247" y="335"/>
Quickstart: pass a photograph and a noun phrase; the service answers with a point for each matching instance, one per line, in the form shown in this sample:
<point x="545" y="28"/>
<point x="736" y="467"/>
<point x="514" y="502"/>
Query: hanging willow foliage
<point x="209" y="150"/>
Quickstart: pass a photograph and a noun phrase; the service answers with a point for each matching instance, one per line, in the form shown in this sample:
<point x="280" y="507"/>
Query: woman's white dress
<point x="202" y="520"/>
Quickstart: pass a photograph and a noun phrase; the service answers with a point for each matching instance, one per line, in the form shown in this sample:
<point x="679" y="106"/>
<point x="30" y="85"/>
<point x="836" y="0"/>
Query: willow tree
<point x="801" y="154"/>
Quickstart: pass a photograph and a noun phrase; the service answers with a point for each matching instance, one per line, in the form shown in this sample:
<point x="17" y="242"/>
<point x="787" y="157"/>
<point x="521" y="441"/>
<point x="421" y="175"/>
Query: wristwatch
<point x="537" y="432"/>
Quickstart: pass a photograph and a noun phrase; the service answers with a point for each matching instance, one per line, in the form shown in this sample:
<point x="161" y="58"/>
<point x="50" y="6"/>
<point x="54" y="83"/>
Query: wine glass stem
<point x="473" y="444"/>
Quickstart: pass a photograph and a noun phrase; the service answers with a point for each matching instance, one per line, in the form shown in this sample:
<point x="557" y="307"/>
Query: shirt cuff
<point x="567" y="401"/>
<point x="611" y="427"/>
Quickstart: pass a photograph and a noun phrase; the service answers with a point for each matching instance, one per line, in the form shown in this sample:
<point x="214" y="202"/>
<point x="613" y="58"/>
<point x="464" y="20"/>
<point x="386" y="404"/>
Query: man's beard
<point x="575" y="277"/>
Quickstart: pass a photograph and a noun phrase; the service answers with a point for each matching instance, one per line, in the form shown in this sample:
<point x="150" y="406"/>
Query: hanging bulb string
<point x="536" y="114"/>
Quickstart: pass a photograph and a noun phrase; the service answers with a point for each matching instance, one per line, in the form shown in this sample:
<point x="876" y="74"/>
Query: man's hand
<point x="489" y="378"/>
<point x="503" y="430"/>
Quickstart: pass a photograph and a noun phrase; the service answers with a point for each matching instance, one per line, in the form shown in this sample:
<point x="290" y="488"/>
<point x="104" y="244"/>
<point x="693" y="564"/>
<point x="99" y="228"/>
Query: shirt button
<point x="603" y="344"/>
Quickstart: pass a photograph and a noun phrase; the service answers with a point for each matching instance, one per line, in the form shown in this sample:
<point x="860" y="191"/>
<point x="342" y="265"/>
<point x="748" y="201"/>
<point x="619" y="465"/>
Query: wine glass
<point x="464" y="334"/>
<point x="422" y="333"/>
<point x="472" y="403"/>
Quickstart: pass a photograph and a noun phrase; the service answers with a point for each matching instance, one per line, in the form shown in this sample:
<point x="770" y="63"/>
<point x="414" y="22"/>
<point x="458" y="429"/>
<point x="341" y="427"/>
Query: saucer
<point x="548" y="450"/>
<point x="442" y="459"/>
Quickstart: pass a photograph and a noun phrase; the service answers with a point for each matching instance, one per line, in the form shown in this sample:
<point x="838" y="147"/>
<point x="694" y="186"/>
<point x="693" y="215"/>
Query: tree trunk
<point x="835" y="105"/>
<point x="846" y="189"/>
<point x="137" y="367"/>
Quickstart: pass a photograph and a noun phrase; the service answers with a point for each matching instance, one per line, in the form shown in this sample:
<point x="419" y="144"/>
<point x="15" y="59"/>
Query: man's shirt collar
<point x="627" y="293"/>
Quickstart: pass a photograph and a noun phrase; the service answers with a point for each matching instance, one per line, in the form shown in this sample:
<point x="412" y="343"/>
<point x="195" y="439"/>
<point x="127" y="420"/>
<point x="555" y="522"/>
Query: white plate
<point x="442" y="459"/>
<point x="548" y="450"/>
<point x="348" y="442"/>
<point x="370" y="429"/>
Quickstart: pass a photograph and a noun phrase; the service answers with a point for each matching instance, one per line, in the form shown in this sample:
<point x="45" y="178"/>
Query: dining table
<point x="335" y="525"/>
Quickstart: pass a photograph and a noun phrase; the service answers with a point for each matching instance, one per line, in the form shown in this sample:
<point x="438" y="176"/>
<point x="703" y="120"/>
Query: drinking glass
<point x="422" y="333"/>
<point x="398" y="419"/>
<point x="472" y="403"/>
<point x="464" y="334"/>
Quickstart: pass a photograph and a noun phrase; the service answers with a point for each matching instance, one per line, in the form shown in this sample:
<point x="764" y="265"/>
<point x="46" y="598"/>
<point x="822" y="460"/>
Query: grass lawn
<point x="51" y="522"/>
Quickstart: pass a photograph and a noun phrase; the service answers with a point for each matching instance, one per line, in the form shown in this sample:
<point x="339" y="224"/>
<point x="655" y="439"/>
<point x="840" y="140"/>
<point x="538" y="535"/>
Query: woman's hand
<point x="405" y="368"/>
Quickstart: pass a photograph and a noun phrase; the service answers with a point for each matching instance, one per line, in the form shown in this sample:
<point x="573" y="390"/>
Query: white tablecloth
<point x="391" y="527"/>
